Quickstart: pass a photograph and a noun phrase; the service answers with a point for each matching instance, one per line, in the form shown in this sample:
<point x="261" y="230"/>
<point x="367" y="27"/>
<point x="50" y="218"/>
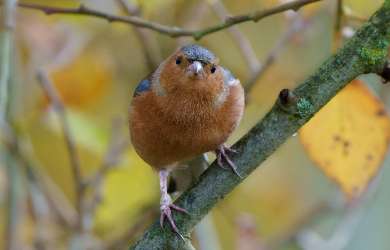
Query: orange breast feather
<point x="166" y="130"/>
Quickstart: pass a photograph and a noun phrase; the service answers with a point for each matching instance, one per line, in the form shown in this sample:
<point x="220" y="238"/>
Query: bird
<point x="188" y="106"/>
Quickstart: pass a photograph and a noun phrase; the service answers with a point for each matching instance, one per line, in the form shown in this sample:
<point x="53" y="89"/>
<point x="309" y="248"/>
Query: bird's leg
<point x="222" y="155"/>
<point x="166" y="205"/>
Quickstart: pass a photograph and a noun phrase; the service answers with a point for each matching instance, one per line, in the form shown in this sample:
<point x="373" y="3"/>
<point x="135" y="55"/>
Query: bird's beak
<point x="195" y="68"/>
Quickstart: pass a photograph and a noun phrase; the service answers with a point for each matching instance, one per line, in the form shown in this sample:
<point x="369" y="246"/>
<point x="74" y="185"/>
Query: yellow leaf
<point x="127" y="190"/>
<point x="85" y="79"/>
<point x="348" y="138"/>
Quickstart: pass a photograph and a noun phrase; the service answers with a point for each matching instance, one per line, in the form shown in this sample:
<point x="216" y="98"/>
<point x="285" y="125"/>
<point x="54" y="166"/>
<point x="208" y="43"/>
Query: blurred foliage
<point x="89" y="73"/>
<point x="361" y="7"/>
<point x="95" y="66"/>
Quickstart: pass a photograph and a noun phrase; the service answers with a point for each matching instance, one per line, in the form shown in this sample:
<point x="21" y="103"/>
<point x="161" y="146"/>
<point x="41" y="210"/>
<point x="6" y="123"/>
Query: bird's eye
<point x="178" y="60"/>
<point x="213" y="69"/>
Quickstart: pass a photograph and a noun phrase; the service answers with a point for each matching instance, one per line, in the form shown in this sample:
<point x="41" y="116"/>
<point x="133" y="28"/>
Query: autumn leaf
<point x="349" y="137"/>
<point x="127" y="190"/>
<point x="85" y="79"/>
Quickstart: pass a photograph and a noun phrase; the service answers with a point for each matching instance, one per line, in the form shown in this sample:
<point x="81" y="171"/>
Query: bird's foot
<point x="166" y="205"/>
<point x="166" y="212"/>
<point x="222" y="155"/>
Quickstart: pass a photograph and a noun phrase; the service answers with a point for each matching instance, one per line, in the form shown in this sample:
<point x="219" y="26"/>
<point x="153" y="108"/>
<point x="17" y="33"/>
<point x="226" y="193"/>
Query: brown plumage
<point x="188" y="106"/>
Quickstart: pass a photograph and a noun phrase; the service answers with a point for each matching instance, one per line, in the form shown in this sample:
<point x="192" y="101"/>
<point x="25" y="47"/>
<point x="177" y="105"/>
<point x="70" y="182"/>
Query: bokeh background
<point x="288" y="203"/>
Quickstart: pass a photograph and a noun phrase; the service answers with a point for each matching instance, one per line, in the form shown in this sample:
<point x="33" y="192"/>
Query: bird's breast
<point x="165" y="130"/>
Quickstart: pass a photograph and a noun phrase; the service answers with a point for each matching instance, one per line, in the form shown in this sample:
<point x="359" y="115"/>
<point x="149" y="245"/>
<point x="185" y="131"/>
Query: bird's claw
<point x="222" y="155"/>
<point x="166" y="212"/>
<point x="230" y="150"/>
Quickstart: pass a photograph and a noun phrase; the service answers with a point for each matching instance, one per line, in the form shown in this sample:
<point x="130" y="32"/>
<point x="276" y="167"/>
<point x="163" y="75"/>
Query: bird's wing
<point x="229" y="78"/>
<point x="143" y="86"/>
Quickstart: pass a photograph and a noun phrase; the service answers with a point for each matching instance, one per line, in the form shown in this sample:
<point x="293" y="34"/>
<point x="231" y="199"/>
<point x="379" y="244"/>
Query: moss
<point x="305" y="108"/>
<point x="374" y="56"/>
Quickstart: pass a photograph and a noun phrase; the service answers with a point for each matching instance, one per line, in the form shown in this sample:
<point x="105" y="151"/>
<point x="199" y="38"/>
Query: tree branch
<point x="13" y="176"/>
<point x="364" y="53"/>
<point x="59" y="108"/>
<point x="238" y="37"/>
<point x="297" y="24"/>
<point x="148" y="43"/>
<point x="171" y="30"/>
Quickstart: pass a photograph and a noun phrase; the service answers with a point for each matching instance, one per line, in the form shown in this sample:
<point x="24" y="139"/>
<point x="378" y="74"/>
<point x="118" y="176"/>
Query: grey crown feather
<point x="198" y="53"/>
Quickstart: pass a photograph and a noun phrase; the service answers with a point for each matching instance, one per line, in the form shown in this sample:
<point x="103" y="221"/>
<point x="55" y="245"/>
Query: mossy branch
<point x="364" y="53"/>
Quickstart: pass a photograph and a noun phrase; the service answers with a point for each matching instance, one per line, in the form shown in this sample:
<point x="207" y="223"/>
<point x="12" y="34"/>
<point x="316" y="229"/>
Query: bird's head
<point x="191" y="67"/>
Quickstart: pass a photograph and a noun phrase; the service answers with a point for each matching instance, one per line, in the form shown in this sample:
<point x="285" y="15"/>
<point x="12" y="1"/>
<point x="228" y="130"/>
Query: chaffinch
<point x="188" y="106"/>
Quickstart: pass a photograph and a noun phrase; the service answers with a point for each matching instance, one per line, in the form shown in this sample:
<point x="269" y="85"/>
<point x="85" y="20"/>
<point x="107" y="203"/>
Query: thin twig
<point x="41" y="203"/>
<point x="85" y="209"/>
<point x="13" y="175"/>
<point x="149" y="45"/>
<point x="16" y="146"/>
<point x="239" y="38"/>
<point x="118" y="144"/>
<point x="13" y="184"/>
<point x="171" y="30"/>
<point x="297" y="24"/>
<point x="59" y="108"/>
<point x="59" y="204"/>
<point x="339" y="16"/>
<point x="192" y="19"/>
<point x="13" y="204"/>
<point x="111" y="160"/>
<point x="40" y="213"/>
<point x="116" y="147"/>
<point x="4" y="77"/>
<point x="6" y="54"/>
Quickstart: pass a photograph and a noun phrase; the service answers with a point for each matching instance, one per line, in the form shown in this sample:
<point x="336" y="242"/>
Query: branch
<point x="118" y="144"/>
<point x="338" y="25"/>
<point x="16" y="146"/>
<point x="193" y="18"/>
<point x="171" y="31"/>
<point x="364" y="53"/>
<point x="7" y="30"/>
<point x="59" y="108"/>
<point x="12" y="213"/>
<point x="297" y="24"/>
<point x="238" y="37"/>
<point x="148" y="43"/>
